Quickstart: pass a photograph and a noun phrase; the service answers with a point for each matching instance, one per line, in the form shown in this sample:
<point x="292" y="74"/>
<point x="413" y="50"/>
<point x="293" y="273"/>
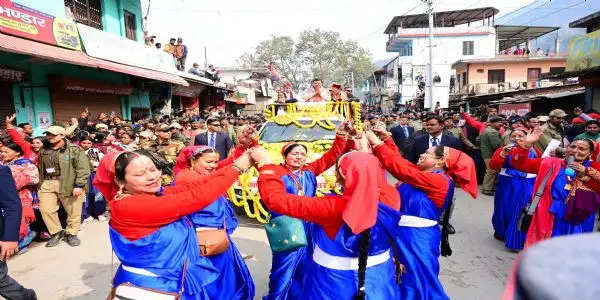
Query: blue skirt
<point x="562" y="227"/>
<point x="419" y="250"/>
<point x="321" y="283"/>
<point x="517" y="195"/>
<point x="234" y="281"/>
<point x="285" y="267"/>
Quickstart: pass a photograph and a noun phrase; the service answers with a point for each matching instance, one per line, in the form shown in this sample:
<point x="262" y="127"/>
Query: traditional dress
<point x="567" y="205"/>
<point x="26" y="177"/>
<point x="513" y="191"/>
<point x="425" y="196"/>
<point x="330" y="267"/>
<point x="285" y="265"/>
<point x="154" y="239"/>
<point x="234" y="280"/>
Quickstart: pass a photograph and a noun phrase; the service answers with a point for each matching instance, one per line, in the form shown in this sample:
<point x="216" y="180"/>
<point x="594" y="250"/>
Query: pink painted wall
<point x="513" y="71"/>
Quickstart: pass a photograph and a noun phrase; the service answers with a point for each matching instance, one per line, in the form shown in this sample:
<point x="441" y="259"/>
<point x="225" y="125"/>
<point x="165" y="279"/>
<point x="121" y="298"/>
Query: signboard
<point x="584" y="52"/>
<point x="242" y="95"/>
<point x="11" y="75"/>
<point x="19" y="20"/>
<point x="90" y="86"/>
<point x="125" y="51"/>
<point x="519" y="109"/>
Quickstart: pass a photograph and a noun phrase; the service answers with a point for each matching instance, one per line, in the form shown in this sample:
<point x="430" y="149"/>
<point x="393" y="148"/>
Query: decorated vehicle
<point x="311" y="124"/>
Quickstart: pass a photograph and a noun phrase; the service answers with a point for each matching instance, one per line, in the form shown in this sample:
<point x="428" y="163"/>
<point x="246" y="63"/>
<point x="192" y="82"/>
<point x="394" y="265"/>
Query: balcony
<point x="494" y="88"/>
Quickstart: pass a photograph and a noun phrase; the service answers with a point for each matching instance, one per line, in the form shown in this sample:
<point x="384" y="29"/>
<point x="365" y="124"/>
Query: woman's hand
<point x="247" y="136"/>
<point x="342" y="130"/>
<point x="578" y="167"/>
<point x="531" y="138"/>
<point x="9" y="121"/>
<point x="381" y="131"/>
<point x="260" y="156"/>
<point x="243" y="163"/>
<point x="373" y="139"/>
<point x="506" y="150"/>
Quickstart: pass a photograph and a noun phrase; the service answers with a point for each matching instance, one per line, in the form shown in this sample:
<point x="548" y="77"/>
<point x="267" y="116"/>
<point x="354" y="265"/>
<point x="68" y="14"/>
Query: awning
<point x="9" y="43"/>
<point x="508" y="35"/>
<point x="18" y="45"/>
<point x="139" y="72"/>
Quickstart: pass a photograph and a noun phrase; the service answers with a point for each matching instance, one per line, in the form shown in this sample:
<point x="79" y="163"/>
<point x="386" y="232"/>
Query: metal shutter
<point x="69" y="104"/>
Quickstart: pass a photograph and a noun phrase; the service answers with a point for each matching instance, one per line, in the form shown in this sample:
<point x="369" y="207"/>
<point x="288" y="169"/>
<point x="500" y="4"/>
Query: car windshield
<point x="274" y="133"/>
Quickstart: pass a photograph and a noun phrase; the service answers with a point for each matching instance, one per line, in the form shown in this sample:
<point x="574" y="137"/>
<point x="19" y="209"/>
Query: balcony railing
<point x="494" y="88"/>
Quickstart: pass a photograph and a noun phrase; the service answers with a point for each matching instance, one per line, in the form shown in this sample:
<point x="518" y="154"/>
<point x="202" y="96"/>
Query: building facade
<point x="47" y="78"/>
<point x="454" y="39"/>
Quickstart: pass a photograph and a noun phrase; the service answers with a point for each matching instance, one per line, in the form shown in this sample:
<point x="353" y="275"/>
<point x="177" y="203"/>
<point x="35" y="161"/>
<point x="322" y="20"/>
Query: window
<point x="464" y="78"/>
<point x="130" y="25"/>
<point x="557" y="70"/>
<point x="468" y="47"/>
<point x="88" y="12"/>
<point x="495" y="76"/>
<point x="404" y="47"/>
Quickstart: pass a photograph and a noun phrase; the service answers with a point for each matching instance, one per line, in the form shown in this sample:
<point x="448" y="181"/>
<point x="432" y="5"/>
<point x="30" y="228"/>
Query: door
<point x="6" y="102"/>
<point x="532" y="76"/>
<point x="69" y="104"/>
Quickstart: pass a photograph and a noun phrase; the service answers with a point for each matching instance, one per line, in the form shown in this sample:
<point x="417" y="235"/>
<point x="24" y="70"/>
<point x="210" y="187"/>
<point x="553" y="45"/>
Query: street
<point x="476" y="270"/>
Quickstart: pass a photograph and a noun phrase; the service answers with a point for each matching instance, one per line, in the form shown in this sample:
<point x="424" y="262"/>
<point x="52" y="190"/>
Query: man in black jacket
<point x="214" y="138"/>
<point x="10" y="204"/>
<point x="402" y="135"/>
<point x="434" y="137"/>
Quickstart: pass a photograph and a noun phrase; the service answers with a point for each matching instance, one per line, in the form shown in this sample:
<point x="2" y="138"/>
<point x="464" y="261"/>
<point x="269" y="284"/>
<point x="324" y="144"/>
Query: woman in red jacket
<point x="150" y="233"/>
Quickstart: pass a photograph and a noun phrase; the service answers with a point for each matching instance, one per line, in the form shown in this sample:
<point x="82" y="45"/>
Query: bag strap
<point x="183" y="275"/>
<point x="539" y="192"/>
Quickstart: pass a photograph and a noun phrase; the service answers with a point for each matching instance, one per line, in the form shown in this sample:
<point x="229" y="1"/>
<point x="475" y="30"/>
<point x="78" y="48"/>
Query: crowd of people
<point x="162" y="182"/>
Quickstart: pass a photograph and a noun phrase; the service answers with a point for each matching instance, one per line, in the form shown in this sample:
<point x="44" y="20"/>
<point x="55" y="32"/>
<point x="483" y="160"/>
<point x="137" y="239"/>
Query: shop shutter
<point x="6" y="102"/>
<point x="69" y="104"/>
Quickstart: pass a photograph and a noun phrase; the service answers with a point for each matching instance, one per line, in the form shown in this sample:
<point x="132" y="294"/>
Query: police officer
<point x="167" y="149"/>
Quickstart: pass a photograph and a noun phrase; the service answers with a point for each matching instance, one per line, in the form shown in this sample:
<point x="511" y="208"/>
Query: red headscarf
<point x="364" y="185"/>
<point x="461" y="168"/>
<point x="287" y="145"/>
<point x="183" y="159"/>
<point x="105" y="175"/>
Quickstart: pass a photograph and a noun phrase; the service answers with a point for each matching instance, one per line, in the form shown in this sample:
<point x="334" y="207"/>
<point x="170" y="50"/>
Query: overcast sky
<point x="230" y="27"/>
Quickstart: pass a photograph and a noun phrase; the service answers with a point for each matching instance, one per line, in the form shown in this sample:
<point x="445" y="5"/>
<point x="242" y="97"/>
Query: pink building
<point x="505" y="73"/>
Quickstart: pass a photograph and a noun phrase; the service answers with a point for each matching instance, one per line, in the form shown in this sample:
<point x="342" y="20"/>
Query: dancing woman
<point x="513" y="192"/>
<point x="150" y="233"/>
<point x="234" y="281"/>
<point x="299" y="178"/>
<point x="350" y="233"/>
<point x="426" y="190"/>
<point x="567" y="204"/>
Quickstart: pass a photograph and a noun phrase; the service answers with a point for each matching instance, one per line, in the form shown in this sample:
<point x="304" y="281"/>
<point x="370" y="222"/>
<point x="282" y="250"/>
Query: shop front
<point x="186" y="99"/>
<point x="7" y="78"/>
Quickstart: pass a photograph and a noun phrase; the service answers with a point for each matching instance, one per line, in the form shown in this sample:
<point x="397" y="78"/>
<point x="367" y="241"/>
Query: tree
<point x="317" y="54"/>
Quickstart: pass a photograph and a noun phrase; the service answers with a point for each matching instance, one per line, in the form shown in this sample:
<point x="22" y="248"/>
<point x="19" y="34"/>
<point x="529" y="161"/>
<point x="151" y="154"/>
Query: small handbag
<point x="285" y="233"/>
<point x="526" y="215"/>
<point x="213" y="241"/>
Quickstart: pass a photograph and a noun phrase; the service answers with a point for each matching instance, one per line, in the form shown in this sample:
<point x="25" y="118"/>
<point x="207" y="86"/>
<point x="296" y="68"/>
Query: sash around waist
<point x="413" y="221"/>
<point x="329" y="261"/>
<point x="503" y="172"/>
<point x="138" y="271"/>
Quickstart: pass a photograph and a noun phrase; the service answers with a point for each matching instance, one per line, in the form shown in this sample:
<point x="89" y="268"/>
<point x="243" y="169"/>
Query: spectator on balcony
<point x="212" y="73"/>
<point x="158" y="46"/>
<point x="195" y="70"/>
<point x="181" y="53"/>
<point x="150" y="40"/>
<point x="170" y="47"/>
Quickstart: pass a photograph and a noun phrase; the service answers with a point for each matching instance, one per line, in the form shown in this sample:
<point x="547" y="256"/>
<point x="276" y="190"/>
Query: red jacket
<point x="18" y="139"/>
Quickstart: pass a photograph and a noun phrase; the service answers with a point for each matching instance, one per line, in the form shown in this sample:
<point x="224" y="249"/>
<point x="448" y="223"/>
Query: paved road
<point x="476" y="270"/>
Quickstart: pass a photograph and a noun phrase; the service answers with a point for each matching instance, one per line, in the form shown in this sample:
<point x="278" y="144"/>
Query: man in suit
<point x="10" y="204"/>
<point x="402" y="135"/>
<point x="434" y="137"/>
<point x="214" y="138"/>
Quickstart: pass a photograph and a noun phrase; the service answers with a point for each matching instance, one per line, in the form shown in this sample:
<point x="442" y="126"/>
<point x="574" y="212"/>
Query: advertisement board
<point x="519" y="109"/>
<point x="584" y="52"/>
<point x="22" y="21"/>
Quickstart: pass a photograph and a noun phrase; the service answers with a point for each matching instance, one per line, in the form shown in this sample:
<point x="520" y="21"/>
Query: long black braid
<point x="363" y="256"/>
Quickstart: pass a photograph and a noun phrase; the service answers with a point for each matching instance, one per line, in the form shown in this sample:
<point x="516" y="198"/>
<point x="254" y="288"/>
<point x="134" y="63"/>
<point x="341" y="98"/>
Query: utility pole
<point x="205" y="60"/>
<point x="352" y="74"/>
<point x="430" y="65"/>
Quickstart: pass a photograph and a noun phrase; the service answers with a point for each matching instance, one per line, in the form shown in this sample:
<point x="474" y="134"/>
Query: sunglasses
<point x="215" y="124"/>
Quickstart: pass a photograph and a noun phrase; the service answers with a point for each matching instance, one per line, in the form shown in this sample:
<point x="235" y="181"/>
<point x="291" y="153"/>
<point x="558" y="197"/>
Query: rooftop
<point x="508" y="35"/>
<point x="441" y="19"/>
<point x="586" y="21"/>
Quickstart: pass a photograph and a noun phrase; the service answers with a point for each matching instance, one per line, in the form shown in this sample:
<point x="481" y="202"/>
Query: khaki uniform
<point x="62" y="170"/>
<point x="551" y="132"/>
<point x="168" y="151"/>
<point x="490" y="141"/>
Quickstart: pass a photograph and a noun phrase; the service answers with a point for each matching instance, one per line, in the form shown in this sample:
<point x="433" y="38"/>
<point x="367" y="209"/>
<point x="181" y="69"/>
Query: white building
<point x="464" y="34"/>
<point x="254" y="88"/>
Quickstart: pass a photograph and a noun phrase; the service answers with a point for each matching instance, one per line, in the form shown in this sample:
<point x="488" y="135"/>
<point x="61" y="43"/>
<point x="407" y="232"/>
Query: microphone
<point x="569" y="171"/>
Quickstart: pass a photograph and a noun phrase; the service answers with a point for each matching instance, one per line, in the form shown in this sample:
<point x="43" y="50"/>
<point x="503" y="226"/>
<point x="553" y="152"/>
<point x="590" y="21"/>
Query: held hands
<point x="260" y="156"/>
<point x="380" y="130"/>
<point x="373" y="139"/>
<point x="247" y="136"/>
<point x="244" y="162"/>
<point x="8" y="249"/>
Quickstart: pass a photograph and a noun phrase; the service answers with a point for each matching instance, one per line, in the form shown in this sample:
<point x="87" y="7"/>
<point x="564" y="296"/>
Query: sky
<point x="228" y="28"/>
